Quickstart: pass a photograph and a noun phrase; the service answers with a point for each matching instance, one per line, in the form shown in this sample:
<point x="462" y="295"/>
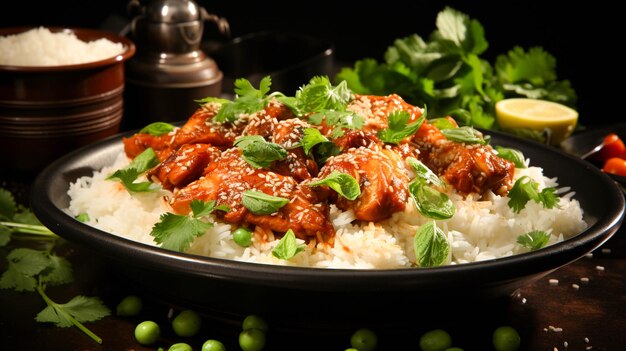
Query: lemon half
<point x="537" y="115"/>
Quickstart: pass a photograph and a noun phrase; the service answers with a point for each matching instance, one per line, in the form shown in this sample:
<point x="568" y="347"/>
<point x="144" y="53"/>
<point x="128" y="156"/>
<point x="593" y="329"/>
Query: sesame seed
<point x="584" y="280"/>
<point x="576" y="286"/>
<point x="600" y="268"/>
<point x="553" y="282"/>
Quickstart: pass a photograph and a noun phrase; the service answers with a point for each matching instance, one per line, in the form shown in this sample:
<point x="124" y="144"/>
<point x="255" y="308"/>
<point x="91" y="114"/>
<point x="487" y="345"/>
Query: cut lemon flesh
<point x="537" y="115"/>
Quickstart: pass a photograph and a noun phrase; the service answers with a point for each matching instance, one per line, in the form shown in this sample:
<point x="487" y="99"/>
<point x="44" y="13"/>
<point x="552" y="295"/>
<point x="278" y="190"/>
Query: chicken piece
<point x="265" y="121"/>
<point x="184" y="165"/>
<point x="381" y="175"/>
<point x="469" y="168"/>
<point x="357" y="138"/>
<point x="138" y="143"/>
<point x="225" y="181"/>
<point x="201" y="128"/>
<point x="289" y="133"/>
<point x="375" y="110"/>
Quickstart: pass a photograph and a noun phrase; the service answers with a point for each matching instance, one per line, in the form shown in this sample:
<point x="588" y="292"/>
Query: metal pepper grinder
<point x="169" y="71"/>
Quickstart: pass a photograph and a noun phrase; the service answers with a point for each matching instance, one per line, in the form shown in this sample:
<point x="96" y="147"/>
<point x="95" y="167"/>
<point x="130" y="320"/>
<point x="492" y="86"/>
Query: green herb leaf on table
<point x="157" y="128"/>
<point x="80" y="308"/>
<point x="8" y="207"/>
<point x="344" y="184"/>
<point x="534" y="240"/>
<point x="258" y="152"/>
<point x="526" y="189"/>
<point x="430" y="245"/>
<point x="399" y="127"/>
<point x="287" y="246"/>
<point x="261" y="203"/>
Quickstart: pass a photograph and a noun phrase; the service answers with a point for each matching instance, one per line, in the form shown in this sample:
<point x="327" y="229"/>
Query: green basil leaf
<point x="157" y="128"/>
<point x="467" y="135"/>
<point x="310" y="138"/>
<point x="425" y="173"/>
<point x="513" y="155"/>
<point x="344" y="184"/>
<point x="261" y="203"/>
<point x="287" y="247"/>
<point x="258" y="152"/>
<point x="442" y="123"/>
<point x="144" y="161"/>
<point x="430" y="202"/>
<point x="534" y="240"/>
<point x="430" y="245"/>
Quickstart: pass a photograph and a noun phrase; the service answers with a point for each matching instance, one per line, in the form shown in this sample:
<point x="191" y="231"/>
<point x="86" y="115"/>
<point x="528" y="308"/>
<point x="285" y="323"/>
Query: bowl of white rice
<point x="60" y="89"/>
<point x="294" y="296"/>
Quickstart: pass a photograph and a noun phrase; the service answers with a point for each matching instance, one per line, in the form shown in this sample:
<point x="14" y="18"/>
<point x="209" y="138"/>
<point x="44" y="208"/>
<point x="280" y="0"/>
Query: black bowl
<point x="328" y="298"/>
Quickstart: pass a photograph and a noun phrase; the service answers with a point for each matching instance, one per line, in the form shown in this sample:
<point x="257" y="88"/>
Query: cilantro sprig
<point x="248" y="100"/>
<point x="526" y="189"/>
<point x="129" y="174"/>
<point x="177" y="232"/>
<point x="534" y="240"/>
<point x="399" y="127"/>
<point x="448" y="72"/>
<point x="33" y="270"/>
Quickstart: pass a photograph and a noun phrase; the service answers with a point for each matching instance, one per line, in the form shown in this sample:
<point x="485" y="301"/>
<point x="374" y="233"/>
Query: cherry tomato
<point x="615" y="165"/>
<point x="612" y="146"/>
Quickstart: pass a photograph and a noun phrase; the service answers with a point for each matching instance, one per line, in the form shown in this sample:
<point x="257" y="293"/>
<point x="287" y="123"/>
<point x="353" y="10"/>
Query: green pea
<point x="242" y="236"/>
<point x="435" y="340"/>
<point x="147" y="332"/>
<point x="181" y="346"/>
<point x="187" y="323"/>
<point x="506" y="338"/>
<point x="454" y="349"/>
<point x="255" y="322"/>
<point x="213" y="345"/>
<point x="351" y="349"/>
<point x="364" y="340"/>
<point x="252" y="340"/>
<point x="130" y="306"/>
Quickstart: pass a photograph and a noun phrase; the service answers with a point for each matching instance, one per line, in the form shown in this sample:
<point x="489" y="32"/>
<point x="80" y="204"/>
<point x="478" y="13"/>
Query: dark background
<point x="583" y="36"/>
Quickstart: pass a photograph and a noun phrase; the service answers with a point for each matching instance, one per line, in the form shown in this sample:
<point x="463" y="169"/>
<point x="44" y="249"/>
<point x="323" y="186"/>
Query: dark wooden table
<point x="574" y="314"/>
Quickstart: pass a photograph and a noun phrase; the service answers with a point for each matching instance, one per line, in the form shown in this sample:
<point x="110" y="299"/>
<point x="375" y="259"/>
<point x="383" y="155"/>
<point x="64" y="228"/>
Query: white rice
<point x="480" y="230"/>
<point x="40" y="47"/>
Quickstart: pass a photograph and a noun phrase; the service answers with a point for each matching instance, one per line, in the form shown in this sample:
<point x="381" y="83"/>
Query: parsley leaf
<point x="430" y="245"/>
<point x="344" y="184"/>
<point x="534" y="240"/>
<point x="320" y="95"/>
<point x="526" y="189"/>
<point x="157" y="128"/>
<point x="513" y="155"/>
<point x="248" y="100"/>
<point x="399" y="127"/>
<point x="339" y="119"/>
<point x="261" y="203"/>
<point x="287" y="247"/>
<point x="258" y="152"/>
<point x="7" y="205"/>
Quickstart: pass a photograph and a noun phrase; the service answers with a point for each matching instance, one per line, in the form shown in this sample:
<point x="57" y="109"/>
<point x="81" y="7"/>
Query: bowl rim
<point x="320" y="279"/>
<point x="129" y="49"/>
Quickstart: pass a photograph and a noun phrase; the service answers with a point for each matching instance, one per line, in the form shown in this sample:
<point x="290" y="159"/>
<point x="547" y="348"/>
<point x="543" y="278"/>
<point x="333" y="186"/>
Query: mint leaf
<point x="261" y="203"/>
<point x="157" y="128"/>
<point x="534" y="240"/>
<point x="344" y="184"/>
<point x="430" y="245"/>
<point x="287" y="247"/>
<point x="258" y="152"/>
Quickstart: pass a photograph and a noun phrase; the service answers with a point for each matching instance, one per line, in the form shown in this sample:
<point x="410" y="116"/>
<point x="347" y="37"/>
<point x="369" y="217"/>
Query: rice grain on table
<point x="480" y="230"/>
